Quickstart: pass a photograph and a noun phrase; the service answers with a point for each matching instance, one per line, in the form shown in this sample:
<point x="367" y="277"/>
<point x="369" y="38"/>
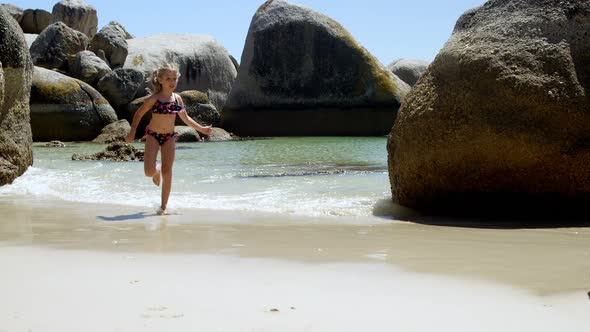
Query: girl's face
<point x="169" y="79"/>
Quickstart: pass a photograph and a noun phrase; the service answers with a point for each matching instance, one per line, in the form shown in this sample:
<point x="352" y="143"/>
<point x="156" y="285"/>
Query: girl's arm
<point x="137" y="117"/>
<point x="190" y="122"/>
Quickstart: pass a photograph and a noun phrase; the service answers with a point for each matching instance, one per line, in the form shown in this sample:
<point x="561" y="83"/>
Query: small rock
<point x="220" y="135"/>
<point x="274" y="310"/>
<point x="117" y="151"/>
<point x="55" y="144"/>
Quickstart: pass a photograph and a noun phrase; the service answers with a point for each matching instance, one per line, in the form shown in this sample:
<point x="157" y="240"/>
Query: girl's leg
<point x="168" y="150"/>
<point x="149" y="159"/>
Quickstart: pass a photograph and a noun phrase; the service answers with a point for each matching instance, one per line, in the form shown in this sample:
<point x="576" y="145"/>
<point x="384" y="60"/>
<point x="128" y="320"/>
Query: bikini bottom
<point x="161" y="138"/>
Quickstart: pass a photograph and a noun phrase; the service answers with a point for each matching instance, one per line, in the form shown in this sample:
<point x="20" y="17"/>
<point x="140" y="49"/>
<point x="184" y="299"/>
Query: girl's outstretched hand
<point x="207" y="130"/>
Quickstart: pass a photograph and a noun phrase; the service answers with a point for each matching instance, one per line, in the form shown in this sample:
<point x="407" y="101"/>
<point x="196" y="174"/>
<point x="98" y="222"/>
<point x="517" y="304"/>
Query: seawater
<point x="315" y="176"/>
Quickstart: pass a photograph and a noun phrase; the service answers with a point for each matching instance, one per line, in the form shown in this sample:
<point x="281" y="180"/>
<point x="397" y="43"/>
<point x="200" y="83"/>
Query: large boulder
<point x="408" y="70"/>
<point x="16" y="71"/>
<point x="198" y="107"/>
<point x="77" y="15"/>
<point x="503" y="112"/>
<point x="235" y="62"/>
<point x="132" y="107"/>
<point x="302" y="73"/>
<point x="87" y="67"/>
<point x="111" y="39"/>
<point x="1" y="86"/>
<point x="204" y="64"/>
<point x="14" y="11"/>
<point x="55" y="44"/>
<point x="35" y="20"/>
<point x="66" y="109"/>
<point x="120" y="86"/>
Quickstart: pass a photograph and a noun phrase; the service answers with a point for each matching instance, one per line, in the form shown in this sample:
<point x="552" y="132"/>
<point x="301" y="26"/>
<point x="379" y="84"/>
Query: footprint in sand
<point x="156" y="310"/>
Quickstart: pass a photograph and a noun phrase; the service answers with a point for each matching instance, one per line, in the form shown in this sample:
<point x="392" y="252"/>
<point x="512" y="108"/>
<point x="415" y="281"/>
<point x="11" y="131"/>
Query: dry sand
<point x="82" y="267"/>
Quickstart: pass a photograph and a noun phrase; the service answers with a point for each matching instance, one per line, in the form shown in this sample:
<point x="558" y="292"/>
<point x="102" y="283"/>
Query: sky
<point x="389" y="29"/>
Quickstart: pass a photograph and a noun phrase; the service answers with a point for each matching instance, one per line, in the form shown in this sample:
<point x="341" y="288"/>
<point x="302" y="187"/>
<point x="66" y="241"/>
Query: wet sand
<point x="72" y="266"/>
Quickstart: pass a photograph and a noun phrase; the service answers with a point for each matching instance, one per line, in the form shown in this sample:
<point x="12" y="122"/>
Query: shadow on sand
<point x="126" y="217"/>
<point x="505" y="214"/>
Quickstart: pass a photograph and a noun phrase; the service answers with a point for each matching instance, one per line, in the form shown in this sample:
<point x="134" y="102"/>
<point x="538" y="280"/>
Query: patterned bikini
<point x="164" y="108"/>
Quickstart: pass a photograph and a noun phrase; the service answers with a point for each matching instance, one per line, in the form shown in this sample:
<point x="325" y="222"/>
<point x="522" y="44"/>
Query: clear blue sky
<point x="389" y="29"/>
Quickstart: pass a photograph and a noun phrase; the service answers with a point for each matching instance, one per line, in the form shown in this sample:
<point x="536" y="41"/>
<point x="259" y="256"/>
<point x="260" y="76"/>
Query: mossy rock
<point x="302" y="73"/>
<point x="16" y="72"/>
<point x="66" y="109"/>
<point x="501" y="117"/>
<point x="194" y="96"/>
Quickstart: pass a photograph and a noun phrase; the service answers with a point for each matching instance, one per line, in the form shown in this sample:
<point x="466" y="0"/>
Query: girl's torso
<point x="164" y="114"/>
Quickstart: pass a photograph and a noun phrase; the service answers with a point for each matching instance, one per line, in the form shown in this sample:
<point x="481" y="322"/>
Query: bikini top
<point x="167" y="107"/>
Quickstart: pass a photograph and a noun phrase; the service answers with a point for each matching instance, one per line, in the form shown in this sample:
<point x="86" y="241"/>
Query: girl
<point x="165" y="105"/>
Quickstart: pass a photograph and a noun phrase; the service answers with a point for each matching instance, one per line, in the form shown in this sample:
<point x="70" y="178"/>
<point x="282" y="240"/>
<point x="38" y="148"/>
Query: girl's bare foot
<point x="156" y="177"/>
<point x="161" y="211"/>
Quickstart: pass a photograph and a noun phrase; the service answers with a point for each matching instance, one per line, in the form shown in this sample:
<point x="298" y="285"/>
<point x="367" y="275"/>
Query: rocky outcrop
<point x="187" y="134"/>
<point x="132" y="107"/>
<point x="117" y="151"/>
<point x="16" y="72"/>
<point x="14" y="11"/>
<point x="121" y="28"/>
<point x="220" y="135"/>
<point x="66" y="109"/>
<point x="1" y="86"/>
<point x="408" y="70"/>
<point x="53" y="46"/>
<point x="198" y="107"/>
<point x="503" y="112"/>
<point x="35" y="20"/>
<point x="235" y="62"/>
<point x="87" y="67"/>
<point x="77" y="15"/>
<point x="205" y="114"/>
<point x="204" y="64"/>
<point x="114" y="132"/>
<point x="111" y="39"/>
<point x="302" y="73"/>
<point x="119" y="87"/>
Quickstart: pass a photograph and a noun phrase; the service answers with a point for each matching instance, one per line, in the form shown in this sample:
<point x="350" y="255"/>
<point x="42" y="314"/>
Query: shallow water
<point x="314" y="176"/>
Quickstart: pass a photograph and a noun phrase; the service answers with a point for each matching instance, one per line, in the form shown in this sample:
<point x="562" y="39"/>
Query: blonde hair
<point x="156" y="74"/>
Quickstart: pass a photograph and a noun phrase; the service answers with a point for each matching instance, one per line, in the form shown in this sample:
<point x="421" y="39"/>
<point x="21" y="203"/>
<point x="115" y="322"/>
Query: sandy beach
<point x="73" y="266"/>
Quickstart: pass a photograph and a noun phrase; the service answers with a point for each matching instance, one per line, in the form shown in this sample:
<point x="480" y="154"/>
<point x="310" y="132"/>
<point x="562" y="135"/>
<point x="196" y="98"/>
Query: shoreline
<point x="541" y="261"/>
<point x="71" y="266"/>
